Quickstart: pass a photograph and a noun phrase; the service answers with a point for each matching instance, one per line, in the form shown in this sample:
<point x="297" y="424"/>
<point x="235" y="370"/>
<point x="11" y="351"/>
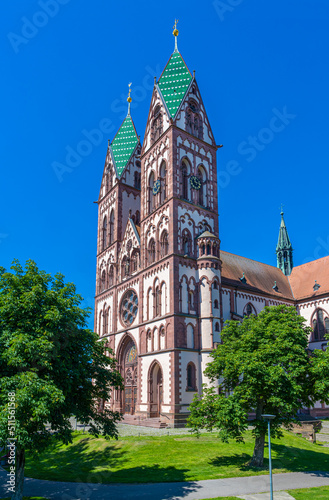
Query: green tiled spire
<point x="124" y="144"/>
<point x="284" y="250"/>
<point x="174" y="82"/>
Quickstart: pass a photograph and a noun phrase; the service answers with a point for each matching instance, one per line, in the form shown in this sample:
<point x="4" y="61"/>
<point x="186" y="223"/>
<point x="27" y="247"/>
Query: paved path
<point x="192" y="490"/>
<point x="277" y="495"/>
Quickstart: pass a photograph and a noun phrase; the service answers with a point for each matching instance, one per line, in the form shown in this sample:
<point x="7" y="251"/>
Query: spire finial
<point x="282" y="209"/>
<point x="175" y="33"/>
<point x="129" y="99"/>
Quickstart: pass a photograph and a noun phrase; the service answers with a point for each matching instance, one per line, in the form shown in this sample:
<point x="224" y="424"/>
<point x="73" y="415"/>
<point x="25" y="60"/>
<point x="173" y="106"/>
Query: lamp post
<point x="269" y="418"/>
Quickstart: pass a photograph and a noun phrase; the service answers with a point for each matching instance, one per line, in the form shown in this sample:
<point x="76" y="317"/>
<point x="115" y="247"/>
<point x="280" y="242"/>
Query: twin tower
<point x="158" y="293"/>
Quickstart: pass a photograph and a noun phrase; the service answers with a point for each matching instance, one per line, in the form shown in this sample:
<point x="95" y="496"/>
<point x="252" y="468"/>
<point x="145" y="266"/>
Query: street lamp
<point x="269" y="418"/>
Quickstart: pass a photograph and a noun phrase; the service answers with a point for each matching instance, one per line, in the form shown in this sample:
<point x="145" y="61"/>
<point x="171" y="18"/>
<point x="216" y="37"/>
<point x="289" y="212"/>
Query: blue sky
<point x="66" y="68"/>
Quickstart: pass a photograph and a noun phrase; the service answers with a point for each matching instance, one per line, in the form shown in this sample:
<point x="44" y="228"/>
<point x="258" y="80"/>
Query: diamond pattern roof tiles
<point x="174" y="82"/>
<point x="124" y="144"/>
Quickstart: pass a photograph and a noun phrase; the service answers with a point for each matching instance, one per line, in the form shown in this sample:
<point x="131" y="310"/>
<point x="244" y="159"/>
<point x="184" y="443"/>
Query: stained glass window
<point x="129" y="307"/>
<point x="132" y="354"/>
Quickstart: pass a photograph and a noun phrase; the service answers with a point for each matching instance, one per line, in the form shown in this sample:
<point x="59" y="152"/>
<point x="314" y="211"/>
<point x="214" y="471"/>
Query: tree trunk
<point x="258" y="455"/>
<point x="19" y="478"/>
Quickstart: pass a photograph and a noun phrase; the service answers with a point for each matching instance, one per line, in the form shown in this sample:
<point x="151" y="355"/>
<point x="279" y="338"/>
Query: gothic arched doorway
<point x="155" y="390"/>
<point x="128" y="366"/>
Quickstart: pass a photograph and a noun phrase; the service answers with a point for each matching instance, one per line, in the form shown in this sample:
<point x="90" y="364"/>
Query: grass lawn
<point x="168" y="458"/>
<point x="321" y="493"/>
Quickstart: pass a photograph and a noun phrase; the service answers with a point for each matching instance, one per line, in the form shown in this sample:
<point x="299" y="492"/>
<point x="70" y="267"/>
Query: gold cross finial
<point x="129" y="98"/>
<point x="175" y="32"/>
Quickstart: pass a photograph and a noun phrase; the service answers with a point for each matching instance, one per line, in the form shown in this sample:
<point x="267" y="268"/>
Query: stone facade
<point x="163" y="287"/>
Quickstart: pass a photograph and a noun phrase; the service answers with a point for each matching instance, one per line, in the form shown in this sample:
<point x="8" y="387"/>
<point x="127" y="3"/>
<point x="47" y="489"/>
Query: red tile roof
<point x="302" y="278"/>
<point x="260" y="277"/>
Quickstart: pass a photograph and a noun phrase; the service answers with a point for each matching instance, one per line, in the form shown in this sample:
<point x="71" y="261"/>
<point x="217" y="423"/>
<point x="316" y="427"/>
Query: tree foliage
<point x="262" y="365"/>
<point x="50" y="361"/>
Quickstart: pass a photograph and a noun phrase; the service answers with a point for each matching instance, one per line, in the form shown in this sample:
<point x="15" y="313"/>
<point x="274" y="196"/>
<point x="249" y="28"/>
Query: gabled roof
<point x="174" y="82"/>
<point x="283" y="241"/>
<point x="123" y="144"/>
<point x="302" y="279"/>
<point x="259" y="277"/>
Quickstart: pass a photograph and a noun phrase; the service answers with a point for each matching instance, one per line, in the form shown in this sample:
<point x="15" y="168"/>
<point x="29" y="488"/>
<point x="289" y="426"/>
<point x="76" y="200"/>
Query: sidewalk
<point x="193" y="490"/>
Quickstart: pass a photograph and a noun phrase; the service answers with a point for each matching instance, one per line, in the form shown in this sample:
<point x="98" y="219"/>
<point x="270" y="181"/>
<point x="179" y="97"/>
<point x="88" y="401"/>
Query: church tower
<point x="284" y="250"/>
<point x="160" y="310"/>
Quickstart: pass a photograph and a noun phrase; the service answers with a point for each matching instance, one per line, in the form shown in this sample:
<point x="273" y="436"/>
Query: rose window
<point x="129" y="307"/>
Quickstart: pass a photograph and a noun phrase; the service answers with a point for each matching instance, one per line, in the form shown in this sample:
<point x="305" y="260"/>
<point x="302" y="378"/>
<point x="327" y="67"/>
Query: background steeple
<point x="284" y="249"/>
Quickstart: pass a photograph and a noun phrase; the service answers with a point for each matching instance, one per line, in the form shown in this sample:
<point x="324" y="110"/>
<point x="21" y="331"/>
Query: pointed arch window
<point x="151" y="252"/>
<point x="185" y="175"/>
<point x="105" y="323"/>
<point x="137" y="180"/>
<point x="216" y="327"/>
<point x="163" y="180"/>
<point x="104" y="233"/>
<point x="190" y="301"/>
<point x="151" y="197"/>
<point x="109" y="179"/>
<point x="193" y="119"/>
<point x="158" y="301"/>
<point x="125" y="267"/>
<point x="249" y="309"/>
<point x="187" y="243"/>
<point x="156" y="123"/>
<point x="111" y="275"/>
<point x="202" y="192"/>
<point x="190" y="336"/>
<point x="103" y="281"/>
<point x="191" y="377"/>
<point x="149" y="341"/>
<point x="320" y="324"/>
<point x="162" y="337"/>
<point x="137" y="218"/>
<point x="134" y="261"/>
<point x="164" y="244"/>
<point x="111" y="236"/>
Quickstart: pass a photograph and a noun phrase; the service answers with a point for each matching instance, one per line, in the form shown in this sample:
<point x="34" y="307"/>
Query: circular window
<point x="129" y="307"/>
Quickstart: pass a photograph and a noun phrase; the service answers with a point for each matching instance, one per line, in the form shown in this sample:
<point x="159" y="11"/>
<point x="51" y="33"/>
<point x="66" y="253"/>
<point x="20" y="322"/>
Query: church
<point x="164" y="288"/>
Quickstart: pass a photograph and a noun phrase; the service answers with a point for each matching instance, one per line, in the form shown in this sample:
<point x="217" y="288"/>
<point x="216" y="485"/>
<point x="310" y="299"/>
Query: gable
<point x="192" y="106"/>
<point x="130" y="240"/>
<point x="157" y="102"/>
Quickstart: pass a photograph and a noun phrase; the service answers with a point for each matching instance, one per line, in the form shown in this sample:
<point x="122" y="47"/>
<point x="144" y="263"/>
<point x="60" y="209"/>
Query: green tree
<point x="51" y="365"/>
<point x="262" y="365"/>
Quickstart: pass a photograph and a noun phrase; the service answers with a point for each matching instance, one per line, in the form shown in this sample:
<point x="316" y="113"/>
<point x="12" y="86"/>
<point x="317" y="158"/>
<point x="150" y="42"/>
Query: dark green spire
<point x="124" y="144"/>
<point x="174" y="82"/>
<point x="284" y="250"/>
